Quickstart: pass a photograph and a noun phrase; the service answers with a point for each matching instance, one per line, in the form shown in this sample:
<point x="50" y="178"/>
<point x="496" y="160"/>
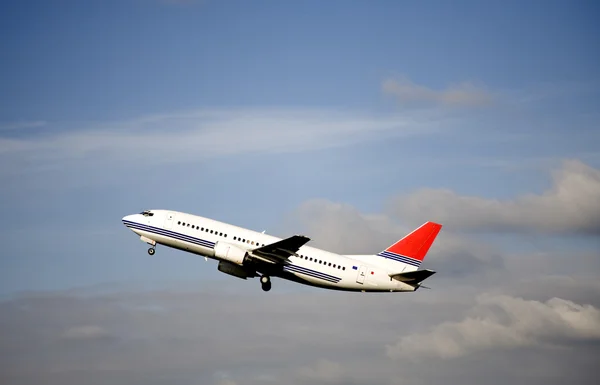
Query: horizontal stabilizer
<point x="413" y="277"/>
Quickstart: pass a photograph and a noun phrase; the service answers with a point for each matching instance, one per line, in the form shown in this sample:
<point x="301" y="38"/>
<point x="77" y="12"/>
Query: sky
<point x="351" y="122"/>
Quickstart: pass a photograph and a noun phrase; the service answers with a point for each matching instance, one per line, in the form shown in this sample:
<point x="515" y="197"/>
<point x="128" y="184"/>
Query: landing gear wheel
<point x="265" y="282"/>
<point x="151" y="251"/>
<point x="266" y="286"/>
<point x="265" y="279"/>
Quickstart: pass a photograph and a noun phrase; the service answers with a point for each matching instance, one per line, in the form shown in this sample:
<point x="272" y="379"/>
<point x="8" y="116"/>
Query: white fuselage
<point x="310" y="266"/>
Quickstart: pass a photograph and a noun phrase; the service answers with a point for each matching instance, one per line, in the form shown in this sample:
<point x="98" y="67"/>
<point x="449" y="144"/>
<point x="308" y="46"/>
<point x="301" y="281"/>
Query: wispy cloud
<point x="10" y="126"/>
<point x="205" y="134"/>
<point x="462" y="94"/>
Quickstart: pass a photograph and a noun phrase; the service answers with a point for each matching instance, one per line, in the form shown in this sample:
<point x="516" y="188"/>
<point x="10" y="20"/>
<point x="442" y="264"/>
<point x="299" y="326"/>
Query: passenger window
<point x="178" y="222"/>
<point x="329" y="264"/>
<point x="344" y="268"/>
<point x="225" y="235"/>
<point x="252" y="242"/>
<point x="211" y="231"/>
<point x="220" y="234"/>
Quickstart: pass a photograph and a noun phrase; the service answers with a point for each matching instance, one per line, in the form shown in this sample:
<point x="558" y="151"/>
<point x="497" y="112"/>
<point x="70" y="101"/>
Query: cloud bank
<point x="203" y="335"/>
<point x="505" y="322"/>
<point x="571" y="205"/>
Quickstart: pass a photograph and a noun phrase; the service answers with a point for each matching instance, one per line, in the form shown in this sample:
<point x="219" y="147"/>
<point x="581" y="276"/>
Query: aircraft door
<point x="170" y="218"/>
<point x="362" y="272"/>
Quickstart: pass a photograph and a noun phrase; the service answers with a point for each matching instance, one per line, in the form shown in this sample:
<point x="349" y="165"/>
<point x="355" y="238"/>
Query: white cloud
<point x="463" y="94"/>
<point x="571" y="205"/>
<point x="500" y="321"/>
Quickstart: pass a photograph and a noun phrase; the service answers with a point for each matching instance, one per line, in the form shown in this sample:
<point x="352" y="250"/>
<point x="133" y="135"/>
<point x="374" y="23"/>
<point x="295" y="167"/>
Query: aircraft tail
<point x="410" y="251"/>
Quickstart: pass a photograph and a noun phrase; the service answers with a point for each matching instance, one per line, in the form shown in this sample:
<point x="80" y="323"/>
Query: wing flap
<point x="280" y="251"/>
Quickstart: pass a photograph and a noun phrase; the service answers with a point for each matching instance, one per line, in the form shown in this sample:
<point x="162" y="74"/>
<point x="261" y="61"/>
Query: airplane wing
<point x="280" y="251"/>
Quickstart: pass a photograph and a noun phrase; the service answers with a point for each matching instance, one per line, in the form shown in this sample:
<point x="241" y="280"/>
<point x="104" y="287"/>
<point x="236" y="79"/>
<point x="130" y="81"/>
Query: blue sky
<point x="244" y="111"/>
<point x="351" y="122"/>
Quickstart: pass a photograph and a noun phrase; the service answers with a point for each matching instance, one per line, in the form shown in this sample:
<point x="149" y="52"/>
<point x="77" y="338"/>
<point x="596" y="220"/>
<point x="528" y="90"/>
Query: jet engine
<point x="235" y="270"/>
<point x="225" y="251"/>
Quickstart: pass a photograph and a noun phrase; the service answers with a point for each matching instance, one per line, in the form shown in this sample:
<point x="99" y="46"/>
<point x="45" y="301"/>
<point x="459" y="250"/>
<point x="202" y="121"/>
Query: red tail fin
<point x="416" y="244"/>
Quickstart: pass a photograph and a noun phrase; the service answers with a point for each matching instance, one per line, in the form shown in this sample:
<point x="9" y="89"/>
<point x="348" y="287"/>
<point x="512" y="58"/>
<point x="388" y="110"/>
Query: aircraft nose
<point x="128" y="218"/>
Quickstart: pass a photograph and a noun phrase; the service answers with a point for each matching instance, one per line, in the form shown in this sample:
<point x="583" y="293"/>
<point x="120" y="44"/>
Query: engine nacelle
<point x="225" y="251"/>
<point x="235" y="270"/>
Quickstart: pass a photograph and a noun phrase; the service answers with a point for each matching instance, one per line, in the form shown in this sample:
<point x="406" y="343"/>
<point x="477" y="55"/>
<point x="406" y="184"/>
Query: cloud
<point x="21" y="125"/>
<point x="571" y="205"/>
<point x="463" y="94"/>
<point x="344" y="229"/>
<point x="88" y="332"/>
<point x="203" y="134"/>
<point x="324" y="371"/>
<point x="225" y="381"/>
<point x="234" y="333"/>
<point x="504" y="322"/>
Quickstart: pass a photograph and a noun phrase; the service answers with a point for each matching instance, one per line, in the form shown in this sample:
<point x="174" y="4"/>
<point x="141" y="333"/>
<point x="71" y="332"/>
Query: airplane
<point x="247" y="254"/>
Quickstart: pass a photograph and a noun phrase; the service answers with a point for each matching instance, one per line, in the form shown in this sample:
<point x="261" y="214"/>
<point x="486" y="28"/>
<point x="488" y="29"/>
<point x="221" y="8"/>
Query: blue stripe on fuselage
<point x="170" y="234"/>
<point x="302" y="268"/>
<point x="400" y="258"/>
<point x="313" y="273"/>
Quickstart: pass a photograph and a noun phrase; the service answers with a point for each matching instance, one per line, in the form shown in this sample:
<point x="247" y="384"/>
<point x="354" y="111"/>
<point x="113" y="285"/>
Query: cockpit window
<point x="147" y="213"/>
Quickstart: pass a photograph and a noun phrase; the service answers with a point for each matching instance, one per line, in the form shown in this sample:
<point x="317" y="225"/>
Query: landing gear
<point x="265" y="282"/>
<point x="151" y="251"/>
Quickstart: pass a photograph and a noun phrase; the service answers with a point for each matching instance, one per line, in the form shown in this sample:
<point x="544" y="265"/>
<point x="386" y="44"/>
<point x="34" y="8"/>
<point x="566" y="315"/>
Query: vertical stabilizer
<point x="411" y="249"/>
